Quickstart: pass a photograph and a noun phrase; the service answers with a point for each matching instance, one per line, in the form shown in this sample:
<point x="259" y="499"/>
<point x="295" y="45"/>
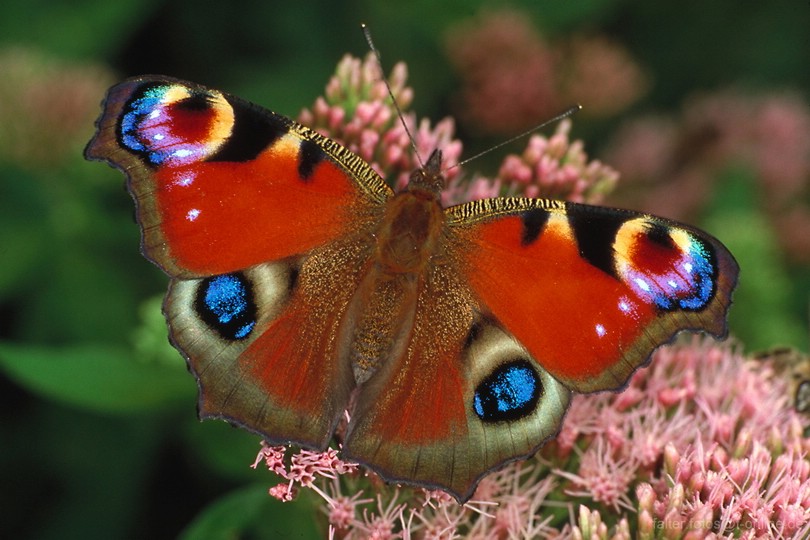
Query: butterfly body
<point x="301" y="285"/>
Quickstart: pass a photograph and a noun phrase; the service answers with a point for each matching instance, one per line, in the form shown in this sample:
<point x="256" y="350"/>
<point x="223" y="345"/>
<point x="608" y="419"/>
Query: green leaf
<point x="99" y="378"/>
<point x="252" y="513"/>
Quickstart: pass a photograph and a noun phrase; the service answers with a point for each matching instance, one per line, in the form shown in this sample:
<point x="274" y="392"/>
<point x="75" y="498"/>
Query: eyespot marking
<point x="509" y="393"/>
<point x="225" y="303"/>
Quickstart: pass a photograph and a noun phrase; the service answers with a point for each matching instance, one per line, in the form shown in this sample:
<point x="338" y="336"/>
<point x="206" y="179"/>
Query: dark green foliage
<point x="98" y="433"/>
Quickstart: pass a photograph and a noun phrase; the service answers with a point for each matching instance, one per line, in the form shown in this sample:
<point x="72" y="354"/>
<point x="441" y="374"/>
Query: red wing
<point x="263" y="342"/>
<point x="221" y="184"/>
<point x="591" y="291"/>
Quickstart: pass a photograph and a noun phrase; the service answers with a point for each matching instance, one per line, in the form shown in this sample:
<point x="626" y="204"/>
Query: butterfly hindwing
<point x="262" y="342"/>
<point x="592" y="291"/>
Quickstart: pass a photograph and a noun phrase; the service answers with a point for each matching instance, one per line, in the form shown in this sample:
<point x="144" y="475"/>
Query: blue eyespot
<point x="508" y="393"/>
<point x="701" y="270"/>
<point x="688" y="283"/>
<point x="148" y="103"/>
<point x="165" y="129"/>
<point x="226" y="304"/>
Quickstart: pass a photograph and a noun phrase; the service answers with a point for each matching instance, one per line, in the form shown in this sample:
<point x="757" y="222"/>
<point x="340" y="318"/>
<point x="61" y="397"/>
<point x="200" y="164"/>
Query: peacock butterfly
<point x="301" y="283"/>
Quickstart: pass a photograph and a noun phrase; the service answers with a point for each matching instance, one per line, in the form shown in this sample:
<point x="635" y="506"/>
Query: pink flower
<point x="513" y="79"/>
<point x="342" y="510"/>
<point x="603" y="476"/>
<point x="496" y="57"/>
<point x="357" y="112"/>
<point x="46" y="105"/>
<point x="273" y="457"/>
<point x="600" y="74"/>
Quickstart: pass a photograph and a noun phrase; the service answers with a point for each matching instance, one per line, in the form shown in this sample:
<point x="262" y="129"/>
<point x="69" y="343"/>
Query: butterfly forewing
<point x="591" y="291"/>
<point x="221" y="184"/>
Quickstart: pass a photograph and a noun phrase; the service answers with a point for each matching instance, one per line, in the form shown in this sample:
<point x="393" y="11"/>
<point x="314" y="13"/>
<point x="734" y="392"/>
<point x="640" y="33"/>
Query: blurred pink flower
<point x="513" y="79"/>
<point x="600" y="74"/>
<point x="507" y="72"/>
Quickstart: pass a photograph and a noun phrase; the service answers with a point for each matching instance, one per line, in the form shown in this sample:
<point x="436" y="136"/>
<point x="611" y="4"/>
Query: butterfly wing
<point x="591" y="291"/>
<point x="221" y="184"/>
<point x="264" y="227"/>
<point x="264" y="342"/>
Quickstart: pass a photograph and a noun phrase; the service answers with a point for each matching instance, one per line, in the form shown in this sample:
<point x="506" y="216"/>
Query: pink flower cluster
<point x="357" y="112"/>
<point x="301" y="469"/>
<point x="557" y="168"/>
<point x="712" y="442"/>
<point x="551" y="167"/>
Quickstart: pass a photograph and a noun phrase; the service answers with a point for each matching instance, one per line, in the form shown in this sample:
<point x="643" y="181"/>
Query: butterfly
<point x="301" y="284"/>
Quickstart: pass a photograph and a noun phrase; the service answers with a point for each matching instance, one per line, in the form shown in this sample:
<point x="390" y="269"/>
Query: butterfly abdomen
<point x="378" y="321"/>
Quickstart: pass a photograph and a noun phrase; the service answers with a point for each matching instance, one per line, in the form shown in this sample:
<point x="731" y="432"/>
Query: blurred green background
<point x="98" y="432"/>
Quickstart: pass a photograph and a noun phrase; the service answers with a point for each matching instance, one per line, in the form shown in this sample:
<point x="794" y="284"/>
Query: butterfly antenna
<point x="565" y="114"/>
<point x="367" y="34"/>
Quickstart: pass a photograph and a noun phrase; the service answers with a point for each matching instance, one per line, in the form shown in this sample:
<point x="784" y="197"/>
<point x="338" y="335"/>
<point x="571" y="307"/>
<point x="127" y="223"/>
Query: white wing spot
<point x="643" y="285"/>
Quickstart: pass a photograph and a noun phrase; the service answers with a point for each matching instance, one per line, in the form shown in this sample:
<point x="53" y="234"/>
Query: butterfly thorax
<point x="413" y="221"/>
<point x="409" y="233"/>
